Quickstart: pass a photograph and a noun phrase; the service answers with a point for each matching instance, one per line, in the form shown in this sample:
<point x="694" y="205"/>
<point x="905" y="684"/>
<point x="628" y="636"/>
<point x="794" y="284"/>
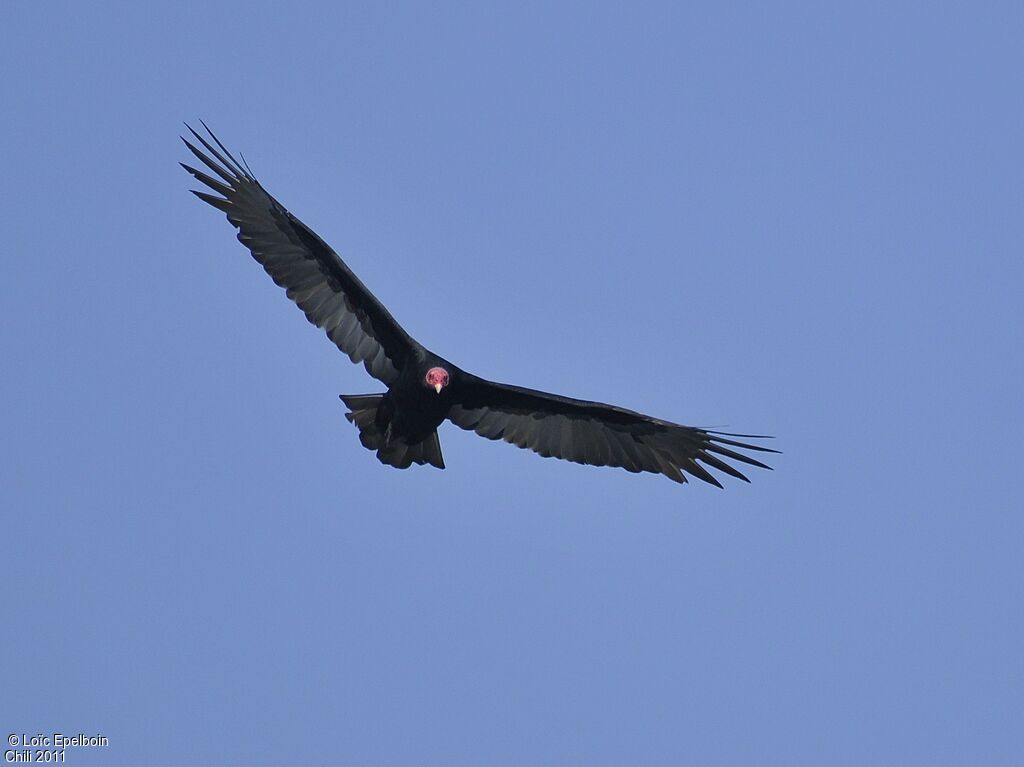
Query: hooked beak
<point x="437" y="388"/>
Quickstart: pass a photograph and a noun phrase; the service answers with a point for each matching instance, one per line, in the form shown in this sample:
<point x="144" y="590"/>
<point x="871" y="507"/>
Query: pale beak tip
<point x="437" y="388"/>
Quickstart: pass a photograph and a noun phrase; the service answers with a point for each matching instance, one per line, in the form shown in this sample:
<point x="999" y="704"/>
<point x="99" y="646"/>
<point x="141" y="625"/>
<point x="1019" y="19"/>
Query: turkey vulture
<point x="425" y="389"/>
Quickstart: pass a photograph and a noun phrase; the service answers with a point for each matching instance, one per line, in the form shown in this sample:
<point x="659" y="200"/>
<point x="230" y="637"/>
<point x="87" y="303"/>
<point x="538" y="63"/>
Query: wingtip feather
<point x="218" y="202"/>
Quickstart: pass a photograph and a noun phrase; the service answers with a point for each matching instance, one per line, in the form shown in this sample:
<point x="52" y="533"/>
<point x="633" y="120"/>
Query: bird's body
<point x="407" y="415"/>
<point x="423" y="389"/>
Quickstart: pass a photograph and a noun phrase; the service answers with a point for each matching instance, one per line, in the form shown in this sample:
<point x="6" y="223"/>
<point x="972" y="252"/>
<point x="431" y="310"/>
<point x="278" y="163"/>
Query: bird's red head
<point x="436" y="378"/>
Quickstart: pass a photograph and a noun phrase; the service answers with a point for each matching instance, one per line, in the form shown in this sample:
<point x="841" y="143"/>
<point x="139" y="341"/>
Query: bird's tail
<point x="392" y="451"/>
<point x="402" y="456"/>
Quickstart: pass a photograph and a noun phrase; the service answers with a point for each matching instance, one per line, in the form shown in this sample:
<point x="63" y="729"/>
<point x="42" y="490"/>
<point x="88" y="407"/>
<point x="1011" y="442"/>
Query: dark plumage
<point x="424" y="389"/>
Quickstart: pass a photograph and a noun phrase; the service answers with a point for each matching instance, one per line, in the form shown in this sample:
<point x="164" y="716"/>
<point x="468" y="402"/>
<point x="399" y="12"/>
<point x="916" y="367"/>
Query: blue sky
<point x="799" y="219"/>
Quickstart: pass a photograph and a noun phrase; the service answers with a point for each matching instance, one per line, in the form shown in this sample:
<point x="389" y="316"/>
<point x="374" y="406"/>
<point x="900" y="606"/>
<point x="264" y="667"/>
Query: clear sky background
<point x="799" y="219"/>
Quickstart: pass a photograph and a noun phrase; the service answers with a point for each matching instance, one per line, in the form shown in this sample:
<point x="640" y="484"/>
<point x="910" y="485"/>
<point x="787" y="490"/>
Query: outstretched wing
<point x="595" y="434"/>
<point x="315" y="277"/>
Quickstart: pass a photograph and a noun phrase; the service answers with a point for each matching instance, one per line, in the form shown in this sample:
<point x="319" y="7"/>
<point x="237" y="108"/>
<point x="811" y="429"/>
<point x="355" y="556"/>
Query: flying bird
<point x="423" y="389"/>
